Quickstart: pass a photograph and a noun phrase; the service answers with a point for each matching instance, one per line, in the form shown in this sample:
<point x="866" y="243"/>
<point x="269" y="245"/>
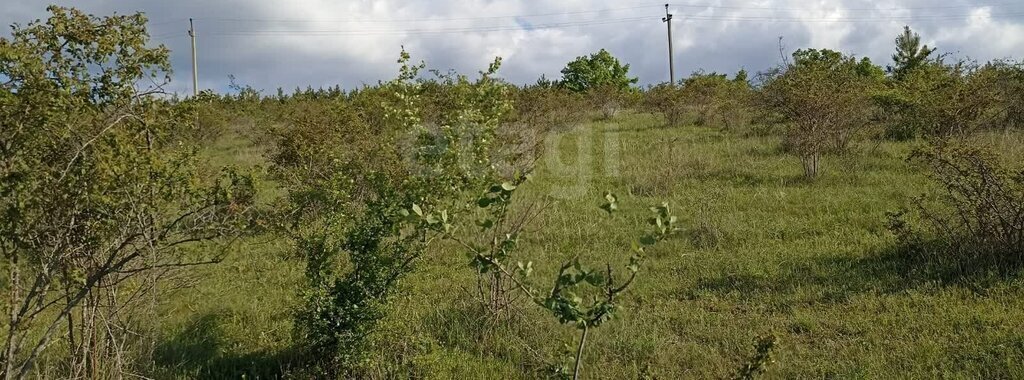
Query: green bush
<point x="101" y="192"/>
<point x="940" y="100"/>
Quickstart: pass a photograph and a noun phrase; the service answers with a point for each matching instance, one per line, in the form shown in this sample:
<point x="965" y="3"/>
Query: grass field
<point x="763" y="251"/>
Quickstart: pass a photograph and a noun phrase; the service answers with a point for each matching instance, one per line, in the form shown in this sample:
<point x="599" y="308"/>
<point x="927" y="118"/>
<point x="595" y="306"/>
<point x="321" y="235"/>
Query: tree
<point x="99" y="191"/>
<point x="599" y="69"/>
<point x="909" y="55"/>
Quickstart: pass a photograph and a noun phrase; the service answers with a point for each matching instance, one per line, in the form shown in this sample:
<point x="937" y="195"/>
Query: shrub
<point x="353" y="183"/>
<point x="825" y="98"/>
<point x="603" y="78"/>
<point x="1009" y="83"/>
<point x="668" y="100"/>
<point x="607" y="100"/>
<point x="580" y="296"/>
<point x="100" y="194"/>
<point x="547" y="108"/>
<point x="538" y="111"/>
<point x="976" y="216"/>
<point x="717" y="100"/>
<point x="940" y="100"/>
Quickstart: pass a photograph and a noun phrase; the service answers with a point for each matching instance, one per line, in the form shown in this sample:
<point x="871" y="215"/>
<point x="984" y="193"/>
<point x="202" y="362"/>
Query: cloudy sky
<point x="270" y="44"/>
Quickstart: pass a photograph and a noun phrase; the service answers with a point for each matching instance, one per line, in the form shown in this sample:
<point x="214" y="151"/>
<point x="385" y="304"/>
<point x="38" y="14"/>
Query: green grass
<point x="763" y="251"/>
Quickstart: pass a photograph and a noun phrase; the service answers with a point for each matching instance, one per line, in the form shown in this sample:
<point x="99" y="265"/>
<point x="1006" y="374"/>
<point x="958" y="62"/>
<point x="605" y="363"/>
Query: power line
<point x="357" y="32"/>
<point x="445" y="19"/>
<point x="973" y="6"/>
<point x="769" y="19"/>
<point x="522" y="25"/>
<point x="568" y="24"/>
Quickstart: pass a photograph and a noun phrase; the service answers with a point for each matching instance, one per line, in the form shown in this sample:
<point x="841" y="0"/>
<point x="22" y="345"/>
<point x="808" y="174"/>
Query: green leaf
<point x="648" y="240"/>
<point x="483" y="202"/>
<point x="508" y="186"/>
<point x="416" y="208"/>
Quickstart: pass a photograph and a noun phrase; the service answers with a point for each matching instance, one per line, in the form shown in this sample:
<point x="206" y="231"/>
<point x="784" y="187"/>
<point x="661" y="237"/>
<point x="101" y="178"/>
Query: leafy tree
<point x="598" y="70"/>
<point x="98" y="188"/>
<point x="910" y="54"/>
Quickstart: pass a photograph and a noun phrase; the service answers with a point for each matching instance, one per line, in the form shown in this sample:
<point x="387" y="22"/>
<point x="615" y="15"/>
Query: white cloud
<point x="301" y="42"/>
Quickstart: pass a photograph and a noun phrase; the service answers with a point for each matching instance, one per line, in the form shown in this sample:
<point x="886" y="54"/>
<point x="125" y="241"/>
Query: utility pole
<point x="195" y="67"/>
<point x="671" y="67"/>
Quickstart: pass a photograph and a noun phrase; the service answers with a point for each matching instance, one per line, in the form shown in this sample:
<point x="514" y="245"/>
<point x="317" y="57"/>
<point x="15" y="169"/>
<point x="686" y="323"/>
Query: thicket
<point x="705" y="99"/>
<point x="101" y="195"/>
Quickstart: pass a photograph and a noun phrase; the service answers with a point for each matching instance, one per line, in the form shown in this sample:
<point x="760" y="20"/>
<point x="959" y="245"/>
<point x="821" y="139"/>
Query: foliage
<point x="89" y="160"/>
<point x="668" y="100"/>
<point x="351" y="181"/>
<point x="547" y="109"/>
<point x="826" y="97"/>
<point x="99" y="194"/>
<point x="598" y="70"/>
<point x="939" y="100"/>
<point x="717" y="100"/>
<point x="565" y="299"/>
<point x="608" y="100"/>
<point x="712" y="98"/>
<point x="910" y="55"/>
<point x="1006" y="109"/>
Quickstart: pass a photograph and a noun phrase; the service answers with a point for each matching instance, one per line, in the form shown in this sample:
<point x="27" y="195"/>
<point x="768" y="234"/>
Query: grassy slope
<point x="764" y="252"/>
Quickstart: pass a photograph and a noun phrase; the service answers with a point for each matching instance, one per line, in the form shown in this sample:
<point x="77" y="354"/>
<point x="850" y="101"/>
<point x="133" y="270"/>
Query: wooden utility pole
<point x="195" y="67"/>
<point x="671" y="67"/>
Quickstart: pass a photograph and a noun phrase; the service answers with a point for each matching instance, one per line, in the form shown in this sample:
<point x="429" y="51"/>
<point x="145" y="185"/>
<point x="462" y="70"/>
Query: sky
<point x="270" y="44"/>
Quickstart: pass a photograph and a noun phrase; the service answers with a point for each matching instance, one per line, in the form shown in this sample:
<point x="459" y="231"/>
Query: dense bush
<point x="101" y="192"/>
<point x="667" y="100"/>
<point x="940" y="100"/>
<point x="1008" y="79"/>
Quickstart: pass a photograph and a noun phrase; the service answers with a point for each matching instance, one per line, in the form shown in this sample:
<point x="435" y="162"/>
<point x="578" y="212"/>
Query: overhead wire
<point x="522" y="22"/>
<point x="862" y="9"/>
<point x="429" y="19"/>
